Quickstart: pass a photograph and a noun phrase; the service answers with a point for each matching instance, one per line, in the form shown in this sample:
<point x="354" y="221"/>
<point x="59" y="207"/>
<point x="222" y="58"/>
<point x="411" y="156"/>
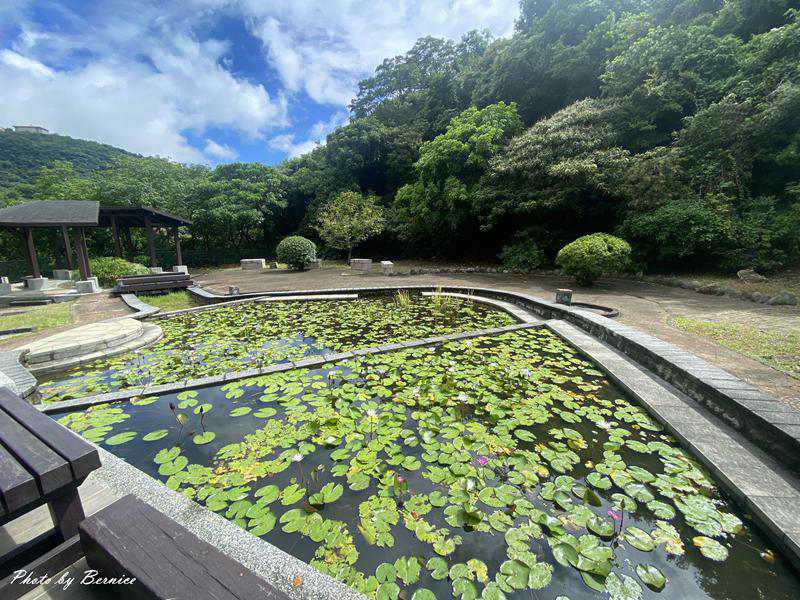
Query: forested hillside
<point x="22" y="154"/>
<point x="674" y="124"/>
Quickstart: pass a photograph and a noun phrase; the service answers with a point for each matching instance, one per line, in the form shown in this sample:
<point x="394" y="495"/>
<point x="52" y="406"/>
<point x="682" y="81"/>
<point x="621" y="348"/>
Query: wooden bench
<point x="41" y="462"/>
<point x="130" y="539"/>
<point x="153" y="283"/>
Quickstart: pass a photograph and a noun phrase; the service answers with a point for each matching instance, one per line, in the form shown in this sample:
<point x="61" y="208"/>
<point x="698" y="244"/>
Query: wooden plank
<point x="81" y="456"/>
<point x="152" y="287"/>
<point x="17" y="486"/>
<point x="155" y="277"/>
<point x="130" y="538"/>
<point x="50" y="470"/>
<point x="53" y="561"/>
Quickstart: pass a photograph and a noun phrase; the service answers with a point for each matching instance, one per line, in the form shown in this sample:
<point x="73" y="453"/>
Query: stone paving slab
<point x="150" y="334"/>
<point x="82" y="340"/>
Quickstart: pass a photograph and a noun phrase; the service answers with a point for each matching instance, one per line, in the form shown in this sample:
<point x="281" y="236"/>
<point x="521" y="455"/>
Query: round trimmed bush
<point x="592" y="256"/>
<point x="296" y="251"/>
<point x="108" y="269"/>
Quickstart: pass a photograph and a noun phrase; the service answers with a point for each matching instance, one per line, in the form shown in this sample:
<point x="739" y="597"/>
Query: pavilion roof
<point x="51" y="213"/>
<point x="84" y="213"/>
<point x="136" y="216"/>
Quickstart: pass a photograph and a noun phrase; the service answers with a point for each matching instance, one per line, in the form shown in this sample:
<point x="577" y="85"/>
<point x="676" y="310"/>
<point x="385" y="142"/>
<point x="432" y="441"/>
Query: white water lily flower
<point x="371" y="412"/>
<point x="603" y="424"/>
<point x="297" y="457"/>
<point x="462" y="397"/>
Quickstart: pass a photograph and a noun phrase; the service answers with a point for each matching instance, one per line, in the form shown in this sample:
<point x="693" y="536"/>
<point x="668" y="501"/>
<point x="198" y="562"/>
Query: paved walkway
<point x="86" y="309"/>
<point x="646" y="306"/>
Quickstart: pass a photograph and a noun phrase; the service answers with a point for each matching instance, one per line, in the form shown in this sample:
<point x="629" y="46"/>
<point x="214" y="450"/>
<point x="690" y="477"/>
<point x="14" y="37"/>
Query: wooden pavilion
<point x="76" y="215"/>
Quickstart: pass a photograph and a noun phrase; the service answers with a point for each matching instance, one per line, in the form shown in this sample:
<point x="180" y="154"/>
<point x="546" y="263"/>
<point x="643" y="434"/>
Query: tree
<point x="439" y="208"/>
<point x="348" y="219"/>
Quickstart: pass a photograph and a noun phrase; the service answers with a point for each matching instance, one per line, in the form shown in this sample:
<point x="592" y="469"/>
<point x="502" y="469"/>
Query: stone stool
<point x="387" y="267"/>
<point x="87" y="286"/>
<point x="253" y="264"/>
<point x="361" y="264"/>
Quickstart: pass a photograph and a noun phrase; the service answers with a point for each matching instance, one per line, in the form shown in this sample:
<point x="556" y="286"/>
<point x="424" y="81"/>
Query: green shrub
<point x="108" y="269"/>
<point x="591" y="256"/>
<point x="522" y="256"/>
<point x="296" y="251"/>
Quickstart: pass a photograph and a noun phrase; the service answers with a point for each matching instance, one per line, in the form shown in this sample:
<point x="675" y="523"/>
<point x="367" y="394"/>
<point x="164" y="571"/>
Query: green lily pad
<point x="204" y="438"/>
<point x="155" y="435"/>
<point x="651" y="577"/>
<point x="121" y="438"/>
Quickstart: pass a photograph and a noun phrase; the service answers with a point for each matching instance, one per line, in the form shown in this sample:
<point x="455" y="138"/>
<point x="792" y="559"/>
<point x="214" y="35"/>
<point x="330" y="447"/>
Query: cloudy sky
<point x="210" y="81"/>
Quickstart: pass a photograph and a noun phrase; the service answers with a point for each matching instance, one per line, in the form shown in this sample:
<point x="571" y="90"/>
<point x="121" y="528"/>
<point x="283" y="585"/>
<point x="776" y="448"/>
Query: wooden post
<point x="178" y="257"/>
<point x="32" y="259"/>
<point x="83" y="252"/>
<point x="67" y="247"/>
<point x="115" y="231"/>
<point x="126" y="236"/>
<point x="151" y="242"/>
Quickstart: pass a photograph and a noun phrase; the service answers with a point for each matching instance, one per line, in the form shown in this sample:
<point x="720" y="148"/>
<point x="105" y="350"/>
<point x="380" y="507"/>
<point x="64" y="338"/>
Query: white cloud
<point x="325" y="47"/>
<point x="316" y="137"/>
<point x="219" y="151"/>
<point x="144" y="107"/>
<point x="10" y="58"/>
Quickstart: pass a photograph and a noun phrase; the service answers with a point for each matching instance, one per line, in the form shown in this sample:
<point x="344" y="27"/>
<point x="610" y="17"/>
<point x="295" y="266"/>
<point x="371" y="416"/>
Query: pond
<point x="495" y="467"/>
<point x="233" y="338"/>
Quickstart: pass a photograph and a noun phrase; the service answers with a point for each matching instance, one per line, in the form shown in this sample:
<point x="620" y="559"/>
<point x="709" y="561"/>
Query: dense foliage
<point x="23" y="154"/>
<point x="108" y="269"/>
<point x="673" y="124"/>
<point x="591" y="256"/>
<point x="296" y="251"/>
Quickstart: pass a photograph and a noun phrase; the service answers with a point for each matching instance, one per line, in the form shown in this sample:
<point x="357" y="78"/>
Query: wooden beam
<point x="67" y="247"/>
<point x="32" y="259"/>
<point x="178" y="256"/>
<point x="151" y="242"/>
<point x="115" y="231"/>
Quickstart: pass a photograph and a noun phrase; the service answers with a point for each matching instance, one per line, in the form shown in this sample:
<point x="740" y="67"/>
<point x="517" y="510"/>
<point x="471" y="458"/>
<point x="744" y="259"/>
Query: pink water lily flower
<point x="615" y="515"/>
<point x="482" y="461"/>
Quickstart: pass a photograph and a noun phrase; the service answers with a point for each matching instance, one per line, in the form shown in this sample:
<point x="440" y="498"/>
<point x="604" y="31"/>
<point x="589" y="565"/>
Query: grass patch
<point x="172" y="301"/>
<point x="38" y="317"/>
<point x="780" y="350"/>
<point x="776" y="282"/>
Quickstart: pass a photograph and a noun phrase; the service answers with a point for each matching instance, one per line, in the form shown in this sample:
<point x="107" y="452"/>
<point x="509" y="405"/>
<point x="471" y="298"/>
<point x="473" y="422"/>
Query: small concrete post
<point x="563" y="296"/>
<point x="233" y="290"/>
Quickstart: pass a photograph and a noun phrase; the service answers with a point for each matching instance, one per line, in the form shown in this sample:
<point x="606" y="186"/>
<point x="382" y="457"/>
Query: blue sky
<point x="210" y="81"/>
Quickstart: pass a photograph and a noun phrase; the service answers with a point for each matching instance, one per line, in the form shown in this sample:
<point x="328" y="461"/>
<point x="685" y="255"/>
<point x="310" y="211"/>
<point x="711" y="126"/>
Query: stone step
<point x="150" y="334"/>
<point x="31" y="302"/>
<point x="87" y="339"/>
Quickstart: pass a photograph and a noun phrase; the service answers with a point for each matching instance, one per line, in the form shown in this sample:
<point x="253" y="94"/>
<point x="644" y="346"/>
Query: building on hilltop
<point x="30" y="129"/>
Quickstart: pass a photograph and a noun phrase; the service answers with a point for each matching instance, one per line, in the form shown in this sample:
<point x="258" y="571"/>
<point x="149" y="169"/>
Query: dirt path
<point x="647" y="306"/>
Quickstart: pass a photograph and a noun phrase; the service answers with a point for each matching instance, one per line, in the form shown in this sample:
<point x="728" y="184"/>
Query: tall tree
<point x="348" y="219"/>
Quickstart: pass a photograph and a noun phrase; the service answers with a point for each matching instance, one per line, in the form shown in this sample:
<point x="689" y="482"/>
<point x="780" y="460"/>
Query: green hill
<point x="21" y="155"/>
